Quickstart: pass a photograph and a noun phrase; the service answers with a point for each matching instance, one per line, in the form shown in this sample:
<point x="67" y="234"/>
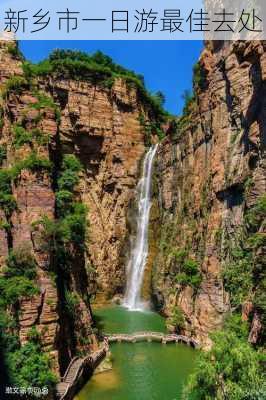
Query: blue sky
<point x="166" y="65"/>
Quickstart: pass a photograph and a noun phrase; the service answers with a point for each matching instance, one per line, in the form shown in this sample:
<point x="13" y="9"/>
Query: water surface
<point x="141" y="371"/>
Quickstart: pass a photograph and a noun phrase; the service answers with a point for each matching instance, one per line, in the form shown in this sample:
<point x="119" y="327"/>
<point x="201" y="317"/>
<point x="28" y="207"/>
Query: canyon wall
<point x="67" y="143"/>
<point x="102" y="128"/>
<point x="43" y="120"/>
<point x="209" y="173"/>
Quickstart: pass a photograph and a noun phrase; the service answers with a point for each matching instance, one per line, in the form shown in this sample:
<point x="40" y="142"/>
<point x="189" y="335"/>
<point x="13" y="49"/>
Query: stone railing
<point x="151" y="337"/>
<point x="71" y="381"/>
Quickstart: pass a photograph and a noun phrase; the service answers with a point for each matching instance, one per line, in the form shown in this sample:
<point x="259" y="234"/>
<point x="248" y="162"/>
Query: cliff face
<point x="66" y="144"/>
<point x="209" y="174"/>
<point x="103" y="129"/>
<point x="43" y="121"/>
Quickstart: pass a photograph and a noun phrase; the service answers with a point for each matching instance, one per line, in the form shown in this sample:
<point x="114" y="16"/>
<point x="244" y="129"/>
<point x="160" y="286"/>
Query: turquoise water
<point x="141" y="371"/>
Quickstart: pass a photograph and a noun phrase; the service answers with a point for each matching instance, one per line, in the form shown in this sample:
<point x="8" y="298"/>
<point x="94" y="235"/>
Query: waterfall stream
<point x="139" y="249"/>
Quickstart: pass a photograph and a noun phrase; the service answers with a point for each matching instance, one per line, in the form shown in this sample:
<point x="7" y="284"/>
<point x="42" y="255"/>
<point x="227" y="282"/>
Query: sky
<point x="166" y="65"/>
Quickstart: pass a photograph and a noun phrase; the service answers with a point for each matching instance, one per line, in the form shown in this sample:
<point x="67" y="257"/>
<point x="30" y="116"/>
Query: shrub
<point x="32" y="70"/>
<point x="64" y="200"/>
<point x="16" y="287"/>
<point x="257" y="214"/>
<point x="21" y="136"/>
<point x="2" y="154"/>
<point x="7" y="203"/>
<point x="33" y="162"/>
<point x="199" y="76"/>
<point x="43" y="102"/>
<point x="223" y="371"/>
<point x="15" y="84"/>
<point x="179" y="255"/>
<point x="177" y="319"/>
<point x="14" y="50"/>
<point x="71" y="303"/>
<point x="5" y="180"/>
<point x="42" y="138"/>
<point x="189" y="271"/>
<point x="76" y="223"/>
<point x="69" y="175"/>
<point x="71" y="162"/>
<point x="237" y="276"/>
<point x="68" y="180"/>
<point x="189" y="101"/>
<point x="30" y="367"/>
<point x="46" y="102"/>
<point x="8" y="341"/>
<point x="98" y="69"/>
<point x="20" y="262"/>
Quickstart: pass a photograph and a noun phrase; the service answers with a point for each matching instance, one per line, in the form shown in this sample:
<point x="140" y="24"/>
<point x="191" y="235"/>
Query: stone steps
<point x="73" y="370"/>
<point x="61" y="389"/>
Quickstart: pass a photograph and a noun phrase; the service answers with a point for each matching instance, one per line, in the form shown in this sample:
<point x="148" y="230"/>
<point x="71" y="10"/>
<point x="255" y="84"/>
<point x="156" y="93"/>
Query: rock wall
<point x="209" y="174"/>
<point x="101" y="127"/>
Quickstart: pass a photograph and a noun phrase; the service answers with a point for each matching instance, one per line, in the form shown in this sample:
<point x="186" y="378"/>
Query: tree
<point x="231" y="370"/>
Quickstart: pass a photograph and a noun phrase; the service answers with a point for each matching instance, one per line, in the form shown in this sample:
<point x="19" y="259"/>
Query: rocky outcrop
<point x="209" y="173"/>
<point x="101" y="127"/>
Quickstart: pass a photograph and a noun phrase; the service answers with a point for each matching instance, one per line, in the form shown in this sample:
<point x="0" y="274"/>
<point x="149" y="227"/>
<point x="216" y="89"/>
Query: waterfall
<point x="139" y="249"/>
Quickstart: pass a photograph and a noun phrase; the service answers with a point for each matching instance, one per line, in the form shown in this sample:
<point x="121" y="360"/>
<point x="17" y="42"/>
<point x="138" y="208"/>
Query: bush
<point x="2" y="154"/>
<point x="71" y="303"/>
<point x="42" y="138"/>
<point x="33" y="162"/>
<point x="5" y="180"/>
<point x="71" y="162"/>
<point x="20" y="262"/>
<point x="18" y="275"/>
<point x="75" y="223"/>
<point x="21" y="136"/>
<point x="257" y="214"/>
<point x="30" y="367"/>
<point x="33" y="70"/>
<point x="230" y="370"/>
<point x="69" y="175"/>
<point x="98" y="69"/>
<point x="64" y="201"/>
<point x="189" y="101"/>
<point x="43" y="102"/>
<point x="14" y="288"/>
<point x="14" y="50"/>
<point x="237" y="276"/>
<point x="68" y="180"/>
<point x="189" y="271"/>
<point x="199" y="76"/>
<point x="177" y="319"/>
<point x="8" y="341"/>
<point x="7" y="203"/>
<point x="15" y="84"/>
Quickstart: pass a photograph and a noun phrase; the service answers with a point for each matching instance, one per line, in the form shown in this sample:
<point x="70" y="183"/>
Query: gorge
<point x="74" y="137"/>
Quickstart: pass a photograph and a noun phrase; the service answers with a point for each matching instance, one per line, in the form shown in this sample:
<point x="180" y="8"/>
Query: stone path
<point x="73" y="371"/>
<point x="151" y="337"/>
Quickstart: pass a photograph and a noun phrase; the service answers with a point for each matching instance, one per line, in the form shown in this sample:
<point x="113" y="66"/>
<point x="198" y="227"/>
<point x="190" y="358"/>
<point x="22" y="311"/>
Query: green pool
<point x="141" y="371"/>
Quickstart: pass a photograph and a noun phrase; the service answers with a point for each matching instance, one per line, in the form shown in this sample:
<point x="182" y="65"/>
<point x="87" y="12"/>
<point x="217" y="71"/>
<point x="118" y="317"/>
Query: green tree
<point x="30" y="367"/>
<point x="231" y="370"/>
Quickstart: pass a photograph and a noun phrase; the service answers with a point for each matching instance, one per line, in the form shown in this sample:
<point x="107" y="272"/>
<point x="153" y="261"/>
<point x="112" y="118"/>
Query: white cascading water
<point x="139" y="249"/>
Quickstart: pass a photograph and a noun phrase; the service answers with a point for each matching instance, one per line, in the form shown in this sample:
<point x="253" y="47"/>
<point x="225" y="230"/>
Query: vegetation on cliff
<point x="26" y="365"/>
<point x="244" y="275"/>
<point x="232" y="369"/>
<point x="97" y="69"/>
